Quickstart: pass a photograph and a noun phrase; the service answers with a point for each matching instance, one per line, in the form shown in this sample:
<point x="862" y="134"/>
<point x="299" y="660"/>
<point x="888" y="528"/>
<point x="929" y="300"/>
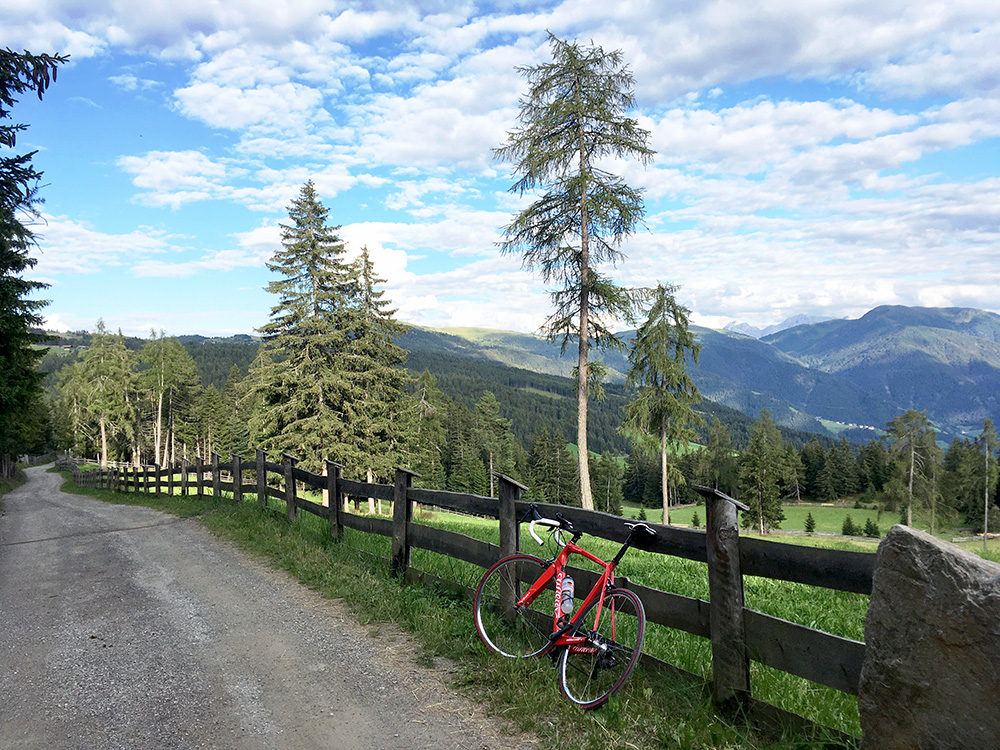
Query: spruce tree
<point x="375" y="435"/>
<point x="571" y="121"/>
<point x="871" y="529"/>
<point x="810" y="525"/>
<point x="303" y="385"/>
<point x="20" y="381"/>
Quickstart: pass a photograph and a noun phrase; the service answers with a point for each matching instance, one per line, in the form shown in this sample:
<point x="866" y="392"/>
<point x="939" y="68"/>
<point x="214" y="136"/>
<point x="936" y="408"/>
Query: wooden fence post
<point x="135" y="479"/>
<point x="199" y="475"/>
<point x="291" y="509"/>
<point x="216" y="477"/>
<point x="402" y="514"/>
<point x="333" y="500"/>
<point x="170" y="478"/>
<point x="261" y="477"/>
<point x="510" y="533"/>
<point x="237" y="479"/>
<point x="730" y="663"/>
<point x="184" y="477"/>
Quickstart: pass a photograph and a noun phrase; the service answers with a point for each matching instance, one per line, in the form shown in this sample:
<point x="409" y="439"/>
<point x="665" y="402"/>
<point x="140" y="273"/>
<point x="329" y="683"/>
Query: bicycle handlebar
<point x="555" y="525"/>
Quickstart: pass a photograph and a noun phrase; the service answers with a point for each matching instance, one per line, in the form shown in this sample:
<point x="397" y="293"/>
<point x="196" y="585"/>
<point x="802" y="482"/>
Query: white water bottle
<point x="567" y="596"/>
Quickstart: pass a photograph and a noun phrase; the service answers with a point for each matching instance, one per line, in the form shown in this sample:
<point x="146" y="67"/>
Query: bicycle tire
<point x="589" y="679"/>
<point x="517" y="633"/>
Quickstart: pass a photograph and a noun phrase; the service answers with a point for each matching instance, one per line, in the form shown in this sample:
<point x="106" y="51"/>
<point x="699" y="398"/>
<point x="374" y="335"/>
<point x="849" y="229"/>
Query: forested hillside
<point x="942" y="360"/>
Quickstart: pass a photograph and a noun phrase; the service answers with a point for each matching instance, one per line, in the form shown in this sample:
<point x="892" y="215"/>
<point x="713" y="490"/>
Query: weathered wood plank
<point x="315" y="508"/>
<point x="313" y="480"/>
<point x="686" y="543"/>
<point x="458" y="546"/>
<point x="276" y="468"/>
<point x="363" y="489"/>
<point x="477" y="505"/>
<point x="828" y="568"/>
<point x="367" y="524"/>
<point x="672" y="610"/>
<point x="817" y="656"/>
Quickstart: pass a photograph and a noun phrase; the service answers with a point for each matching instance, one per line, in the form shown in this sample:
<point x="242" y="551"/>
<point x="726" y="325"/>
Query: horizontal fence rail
<point x="738" y="634"/>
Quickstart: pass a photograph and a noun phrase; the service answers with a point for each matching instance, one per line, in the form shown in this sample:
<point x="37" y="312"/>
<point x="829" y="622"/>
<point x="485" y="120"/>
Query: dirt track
<point x="123" y="627"/>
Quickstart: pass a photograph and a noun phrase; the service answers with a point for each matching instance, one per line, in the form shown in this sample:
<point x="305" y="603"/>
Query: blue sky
<point x="814" y="158"/>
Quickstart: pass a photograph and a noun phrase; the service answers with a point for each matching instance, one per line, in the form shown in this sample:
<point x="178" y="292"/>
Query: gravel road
<point x="123" y="627"/>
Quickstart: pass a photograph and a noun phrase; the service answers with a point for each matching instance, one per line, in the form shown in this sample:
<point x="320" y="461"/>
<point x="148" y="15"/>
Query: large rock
<point x="931" y="676"/>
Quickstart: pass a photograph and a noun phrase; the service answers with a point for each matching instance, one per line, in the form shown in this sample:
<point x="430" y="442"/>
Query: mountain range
<point x="834" y="377"/>
<point x="757" y="333"/>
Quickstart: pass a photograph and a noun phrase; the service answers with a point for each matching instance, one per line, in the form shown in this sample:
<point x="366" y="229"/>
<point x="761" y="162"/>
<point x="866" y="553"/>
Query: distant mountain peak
<point x="796" y="320"/>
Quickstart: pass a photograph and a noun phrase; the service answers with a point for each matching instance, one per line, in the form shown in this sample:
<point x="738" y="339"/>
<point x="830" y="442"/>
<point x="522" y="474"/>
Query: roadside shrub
<point x="871" y="529"/>
<point x="849" y="529"/>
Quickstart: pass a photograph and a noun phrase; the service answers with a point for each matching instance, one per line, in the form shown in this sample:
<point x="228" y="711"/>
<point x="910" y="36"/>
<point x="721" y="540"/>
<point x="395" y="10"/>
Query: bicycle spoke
<point x="589" y="679"/>
<point x="505" y="628"/>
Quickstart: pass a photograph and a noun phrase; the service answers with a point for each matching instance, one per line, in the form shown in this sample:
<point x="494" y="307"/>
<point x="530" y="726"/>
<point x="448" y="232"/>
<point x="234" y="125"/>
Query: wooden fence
<point x="737" y="634"/>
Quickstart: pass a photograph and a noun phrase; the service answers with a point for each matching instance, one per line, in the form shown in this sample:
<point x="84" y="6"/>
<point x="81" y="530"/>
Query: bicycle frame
<point x="563" y="624"/>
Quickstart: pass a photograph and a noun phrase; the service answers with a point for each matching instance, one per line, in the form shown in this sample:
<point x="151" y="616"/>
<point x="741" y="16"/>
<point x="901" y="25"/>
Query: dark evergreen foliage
<point x="20" y="381"/>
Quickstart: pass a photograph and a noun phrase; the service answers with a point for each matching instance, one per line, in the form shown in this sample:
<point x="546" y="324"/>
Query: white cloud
<point x="71" y="247"/>
<point x="131" y="82"/>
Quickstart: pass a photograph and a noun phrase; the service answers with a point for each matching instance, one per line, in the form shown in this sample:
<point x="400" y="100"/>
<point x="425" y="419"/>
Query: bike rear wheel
<point x="509" y="630"/>
<point x="592" y="672"/>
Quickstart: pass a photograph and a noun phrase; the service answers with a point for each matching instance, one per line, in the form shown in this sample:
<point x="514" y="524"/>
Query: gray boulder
<point x="931" y="675"/>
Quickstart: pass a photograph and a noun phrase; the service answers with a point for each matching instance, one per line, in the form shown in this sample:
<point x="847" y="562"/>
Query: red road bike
<point x="525" y="607"/>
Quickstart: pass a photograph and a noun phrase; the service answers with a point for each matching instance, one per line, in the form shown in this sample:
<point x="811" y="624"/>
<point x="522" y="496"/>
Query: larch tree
<point x="20" y="381"/>
<point x="663" y="409"/>
<point x="103" y="386"/>
<point x="913" y="446"/>
<point x="987" y="443"/>
<point x="499" y="447"/>
<point x="718" y="461"/>
<point x="430" y="406"/>
<point x="171" y="379"/>
<point x="236" y="432"/>
<point x="761" y="471"/>
<point x="572" y="122"/>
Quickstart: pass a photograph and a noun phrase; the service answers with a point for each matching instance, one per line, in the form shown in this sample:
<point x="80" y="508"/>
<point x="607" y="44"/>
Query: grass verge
<point x="6" y="485"/>
<point x="655" y="710"/>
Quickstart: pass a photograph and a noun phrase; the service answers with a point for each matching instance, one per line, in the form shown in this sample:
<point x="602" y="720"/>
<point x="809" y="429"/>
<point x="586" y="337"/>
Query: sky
<point x="812" y="158"/>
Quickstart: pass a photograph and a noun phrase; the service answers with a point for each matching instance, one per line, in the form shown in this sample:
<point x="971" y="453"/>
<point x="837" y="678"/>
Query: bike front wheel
<point x="591" y="672"/>
<point x="506" y="628"/>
